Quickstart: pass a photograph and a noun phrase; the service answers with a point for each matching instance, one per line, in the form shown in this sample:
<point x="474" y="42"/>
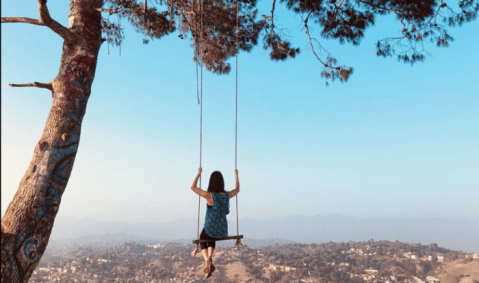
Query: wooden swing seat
<point x="219" y="239"/>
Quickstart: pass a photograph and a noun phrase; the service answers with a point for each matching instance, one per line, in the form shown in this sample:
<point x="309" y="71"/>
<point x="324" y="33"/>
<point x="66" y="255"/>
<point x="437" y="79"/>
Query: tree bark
<point x="29" y="219"/>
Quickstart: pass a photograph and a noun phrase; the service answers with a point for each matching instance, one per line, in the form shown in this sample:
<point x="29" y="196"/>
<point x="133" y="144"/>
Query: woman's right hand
<point x="234" y="192"/>
<point x="200" y="170"/>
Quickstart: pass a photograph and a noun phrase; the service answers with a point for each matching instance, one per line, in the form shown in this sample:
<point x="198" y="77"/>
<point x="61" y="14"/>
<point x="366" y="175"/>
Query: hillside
<point x="458" y="271"/>
<point x="348" y="262"/>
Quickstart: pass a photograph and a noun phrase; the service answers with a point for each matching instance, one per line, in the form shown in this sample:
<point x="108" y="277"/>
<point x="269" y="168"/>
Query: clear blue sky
<point x="394" y="142"/>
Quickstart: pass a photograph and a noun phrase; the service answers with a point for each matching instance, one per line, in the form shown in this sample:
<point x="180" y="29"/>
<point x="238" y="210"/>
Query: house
<point x="440" y="258"/>
<point x="155" y="246"/>
<point x="417" y="280"/>
<point x="410" y="255"/>
<point x="368" y="277"/>
<point x="273" y="267"/>
<point x="475" y="256"/>
<point x="371" y="271"/>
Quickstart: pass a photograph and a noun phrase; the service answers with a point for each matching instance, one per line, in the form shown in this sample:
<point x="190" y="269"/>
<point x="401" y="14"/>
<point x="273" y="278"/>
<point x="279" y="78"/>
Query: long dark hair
<point x="217" y="184"/>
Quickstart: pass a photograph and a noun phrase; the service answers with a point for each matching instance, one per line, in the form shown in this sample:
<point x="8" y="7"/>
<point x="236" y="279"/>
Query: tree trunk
<point x="28" y="221"/>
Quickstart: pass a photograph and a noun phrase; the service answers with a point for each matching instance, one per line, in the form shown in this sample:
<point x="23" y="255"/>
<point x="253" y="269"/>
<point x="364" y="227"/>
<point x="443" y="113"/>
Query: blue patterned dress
<point x="216" y="225"/>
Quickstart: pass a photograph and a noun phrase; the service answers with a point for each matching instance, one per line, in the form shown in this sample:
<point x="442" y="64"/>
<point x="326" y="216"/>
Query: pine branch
<point x="379" y="7"/>
<point x="144" y="18"/>
<point x="310" y="41"/>
<point x="34" y="84"/>
<point x="336" y="9"/>
<point x="272" y="14"/>
<point x="21" y="20"/>
<point x="330" y="71"/>
<point x="109" y="11"/>
<point x="56" y="27"/>
<point x="45" y="20"/>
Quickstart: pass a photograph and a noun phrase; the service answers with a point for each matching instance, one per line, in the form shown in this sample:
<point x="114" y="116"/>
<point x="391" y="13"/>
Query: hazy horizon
<point x="113" y="215"/>
<point x="449" y="233"/>
<point x="232" y="218"/>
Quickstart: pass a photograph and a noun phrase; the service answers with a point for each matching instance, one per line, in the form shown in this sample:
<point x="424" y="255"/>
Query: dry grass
<point x="239" y="269"/>
<point x="230" y="271"/>
<point x="458" y="272"/>
<point x="267" y="273"/>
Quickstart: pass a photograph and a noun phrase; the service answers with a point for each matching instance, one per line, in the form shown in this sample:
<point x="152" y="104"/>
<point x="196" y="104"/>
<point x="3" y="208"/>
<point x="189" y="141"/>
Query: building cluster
<point x="375" y="262"/>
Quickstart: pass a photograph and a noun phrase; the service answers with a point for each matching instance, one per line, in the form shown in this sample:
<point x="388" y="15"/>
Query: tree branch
<point x="34" y="84"/>
<point x="379" y="7"/>
<point x="171" y="11"/>
<point x="336" y="9"/>
<point x="56" y="27"/>
<point x="310" y="42"/>
<point x="330" y="70"/>
<point x="272" y="14"/>
<point x="144" y="17"/>
<point x="109" y="11"/>
<point x="272" y="19"/>
<point x="45" y="20"/>
<point x="22" y="20"/>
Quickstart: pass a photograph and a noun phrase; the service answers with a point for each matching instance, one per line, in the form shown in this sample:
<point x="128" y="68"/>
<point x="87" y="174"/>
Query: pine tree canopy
<point x="211" y="25"/>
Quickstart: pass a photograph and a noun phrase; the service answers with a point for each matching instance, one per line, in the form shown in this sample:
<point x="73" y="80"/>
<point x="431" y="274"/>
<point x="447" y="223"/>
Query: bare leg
<point x="209" y="264"/>
<point x="211" y="250"/>
<point x="205" y="254"/>
<point x="206" y="269"/>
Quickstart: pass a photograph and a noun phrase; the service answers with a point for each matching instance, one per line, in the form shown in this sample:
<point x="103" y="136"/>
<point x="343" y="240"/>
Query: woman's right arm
<point x="197" y="190"/>
<point x="234" y="192"/>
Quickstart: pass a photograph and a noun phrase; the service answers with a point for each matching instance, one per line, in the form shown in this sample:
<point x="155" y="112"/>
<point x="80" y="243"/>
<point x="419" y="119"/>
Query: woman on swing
<point x="216" y="225"/>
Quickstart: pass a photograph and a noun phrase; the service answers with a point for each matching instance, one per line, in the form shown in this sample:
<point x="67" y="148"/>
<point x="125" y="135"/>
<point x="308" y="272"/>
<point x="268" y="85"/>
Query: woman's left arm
<point x="195" y="188"/>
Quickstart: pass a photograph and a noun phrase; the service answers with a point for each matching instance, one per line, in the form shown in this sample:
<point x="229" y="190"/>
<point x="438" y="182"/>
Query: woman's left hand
<point x="199" y="171"/>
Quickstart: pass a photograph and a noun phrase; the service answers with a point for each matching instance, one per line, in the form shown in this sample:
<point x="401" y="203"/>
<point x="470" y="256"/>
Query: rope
<point x="197" y="84"/>
<point x="200" y="100"/>
<point x="236" y="114"/>
<point x="201" y="146"/>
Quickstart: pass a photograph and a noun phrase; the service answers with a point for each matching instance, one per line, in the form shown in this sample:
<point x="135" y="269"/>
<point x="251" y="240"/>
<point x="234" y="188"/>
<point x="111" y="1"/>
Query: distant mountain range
<point x="451" y="234"/>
